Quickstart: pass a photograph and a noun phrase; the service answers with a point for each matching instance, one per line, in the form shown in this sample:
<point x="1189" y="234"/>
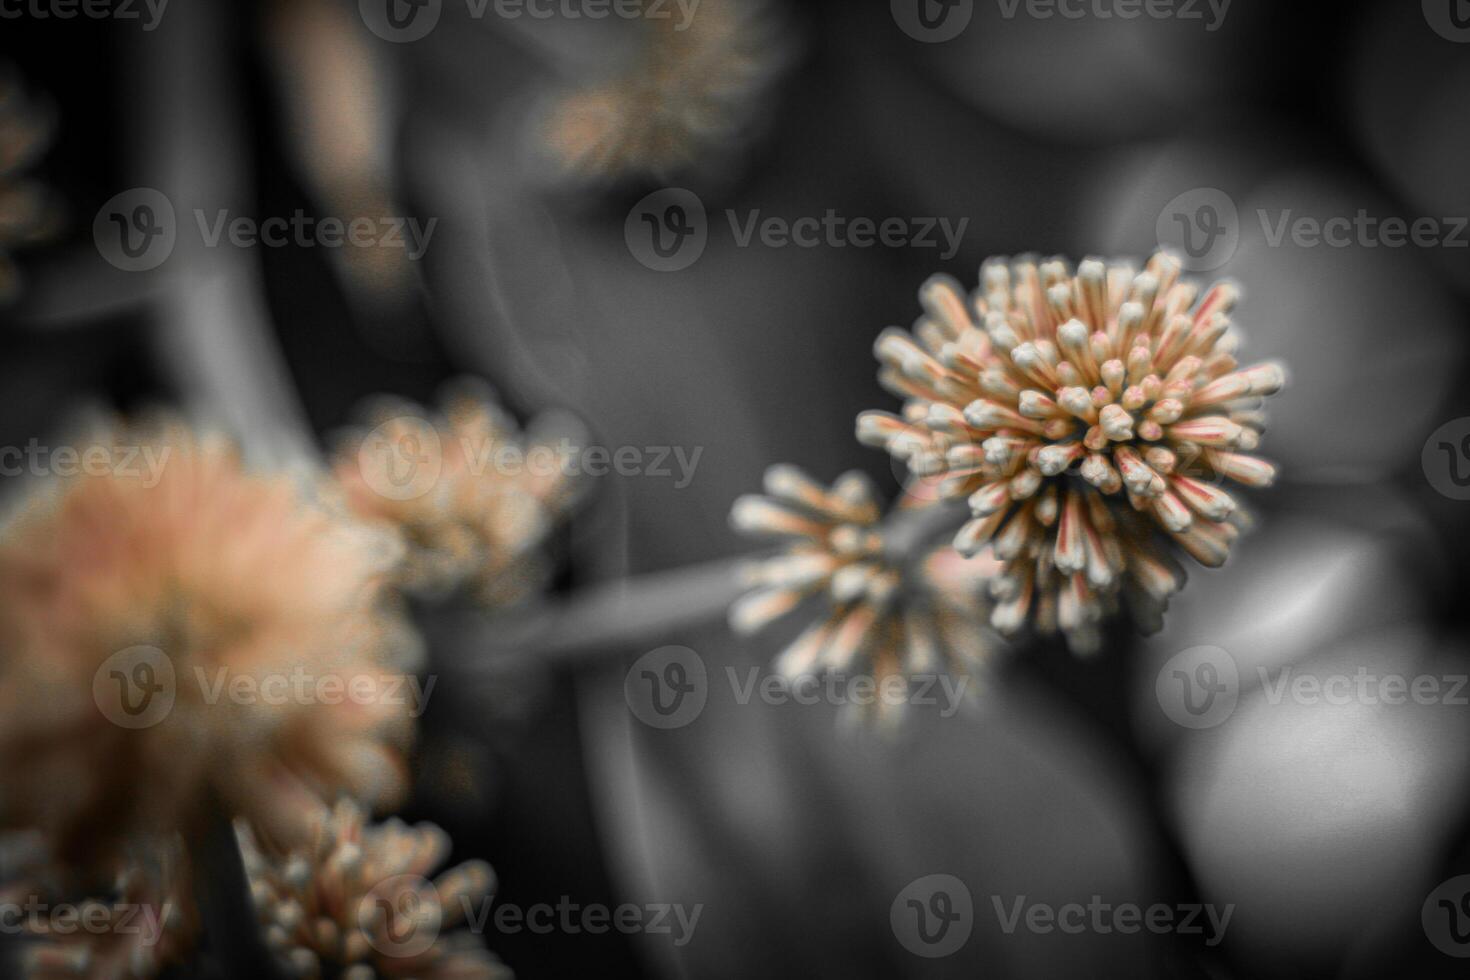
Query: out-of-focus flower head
<point x="357" y="903"/>
<point x="474" y="497"/>
<point x="27" y="213"/>
<point x="143" y="921"/>
<point x="1090" y="417"/>
<point x="176" y="630"/>
<point x="695" y="90"/>
<point x="893" y="606"/>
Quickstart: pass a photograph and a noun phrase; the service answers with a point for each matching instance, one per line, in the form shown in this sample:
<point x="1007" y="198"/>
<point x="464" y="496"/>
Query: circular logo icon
<point x="667" y="230"/>
<point x="1198" y="687"/>
<point x="401" y="916"/>
<point x="400" y="21"/>
<point x="933" y="916"/>
<point x="135" y="687"/>
<point x="135" y="230"/>
<point x="1450" y="19"/>
<point x="402" y="458"/>
<point x="1446" y="459"/>
<point x="1201" y="226"/>
<point x="1446" y="917"/>
<point x="932" y="21"/>
<point x="667" y="687"/>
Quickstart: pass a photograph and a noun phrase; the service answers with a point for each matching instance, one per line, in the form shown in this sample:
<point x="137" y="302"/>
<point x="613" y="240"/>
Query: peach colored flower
<point x="355" y="902"/>
<point x="891" y="605"/>
<point x="178" y="631"/>
<point x="1091" y="418"/>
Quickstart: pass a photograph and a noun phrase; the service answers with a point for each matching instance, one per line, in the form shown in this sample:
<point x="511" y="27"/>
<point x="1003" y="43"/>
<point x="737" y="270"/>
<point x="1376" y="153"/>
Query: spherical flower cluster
<point x="138" y="926"/>
<point x="473" y="497"/>
<point x="27" y="214"/>
<point x="355" y="902"/>
<point x="694" y="90"/>
<point x="1090" y="417"/>
<point x="892" y="605"/>
<point x="147" y="616"/>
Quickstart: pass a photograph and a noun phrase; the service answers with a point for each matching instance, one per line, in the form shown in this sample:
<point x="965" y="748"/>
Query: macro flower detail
<point x="1091" y="418"/>
<point x="27" y="213"/>
<point x="474" y="497"/>
<point x="155" y="615"/>
<point x="893" y="606"/>
<point x="356" y="903"/>
<point x="694" y="90"/>
<point x="141" y="923"/>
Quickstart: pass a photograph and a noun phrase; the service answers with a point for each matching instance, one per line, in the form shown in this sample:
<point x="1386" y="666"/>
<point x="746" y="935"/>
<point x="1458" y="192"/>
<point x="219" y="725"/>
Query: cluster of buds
<point x="892" y="604"/>
<point x="473" y="497"/>
<point x="695" y="88"/>
<point x="1090" y="418"/>
<point x="355" y="902"/>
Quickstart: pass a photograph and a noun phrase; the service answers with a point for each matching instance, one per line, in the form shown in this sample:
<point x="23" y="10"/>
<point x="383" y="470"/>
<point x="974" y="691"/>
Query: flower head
<point x="174" y="628"/>
<point x="474" y="498"/>
<point x="1091" y="417"/>
<point x="27" y="214"/>
<point x="137" y="925"/>
<point x="892" y="605"/>
<point x="694" y="89"/>
<point x="355" y="902"/>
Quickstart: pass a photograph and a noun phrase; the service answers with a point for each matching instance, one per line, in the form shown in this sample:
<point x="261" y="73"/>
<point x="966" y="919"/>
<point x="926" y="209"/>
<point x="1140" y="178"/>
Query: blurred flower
<point x="27" y="215"/>
<point x="479" y="501"/>
<point x="357" y="904"/>
<point x="139" y="599"/>
<point x="142" y="923"/>
<point x="893" y="606"/>
<point x="1063" y="395"/>
<point x="694" y="91"/>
